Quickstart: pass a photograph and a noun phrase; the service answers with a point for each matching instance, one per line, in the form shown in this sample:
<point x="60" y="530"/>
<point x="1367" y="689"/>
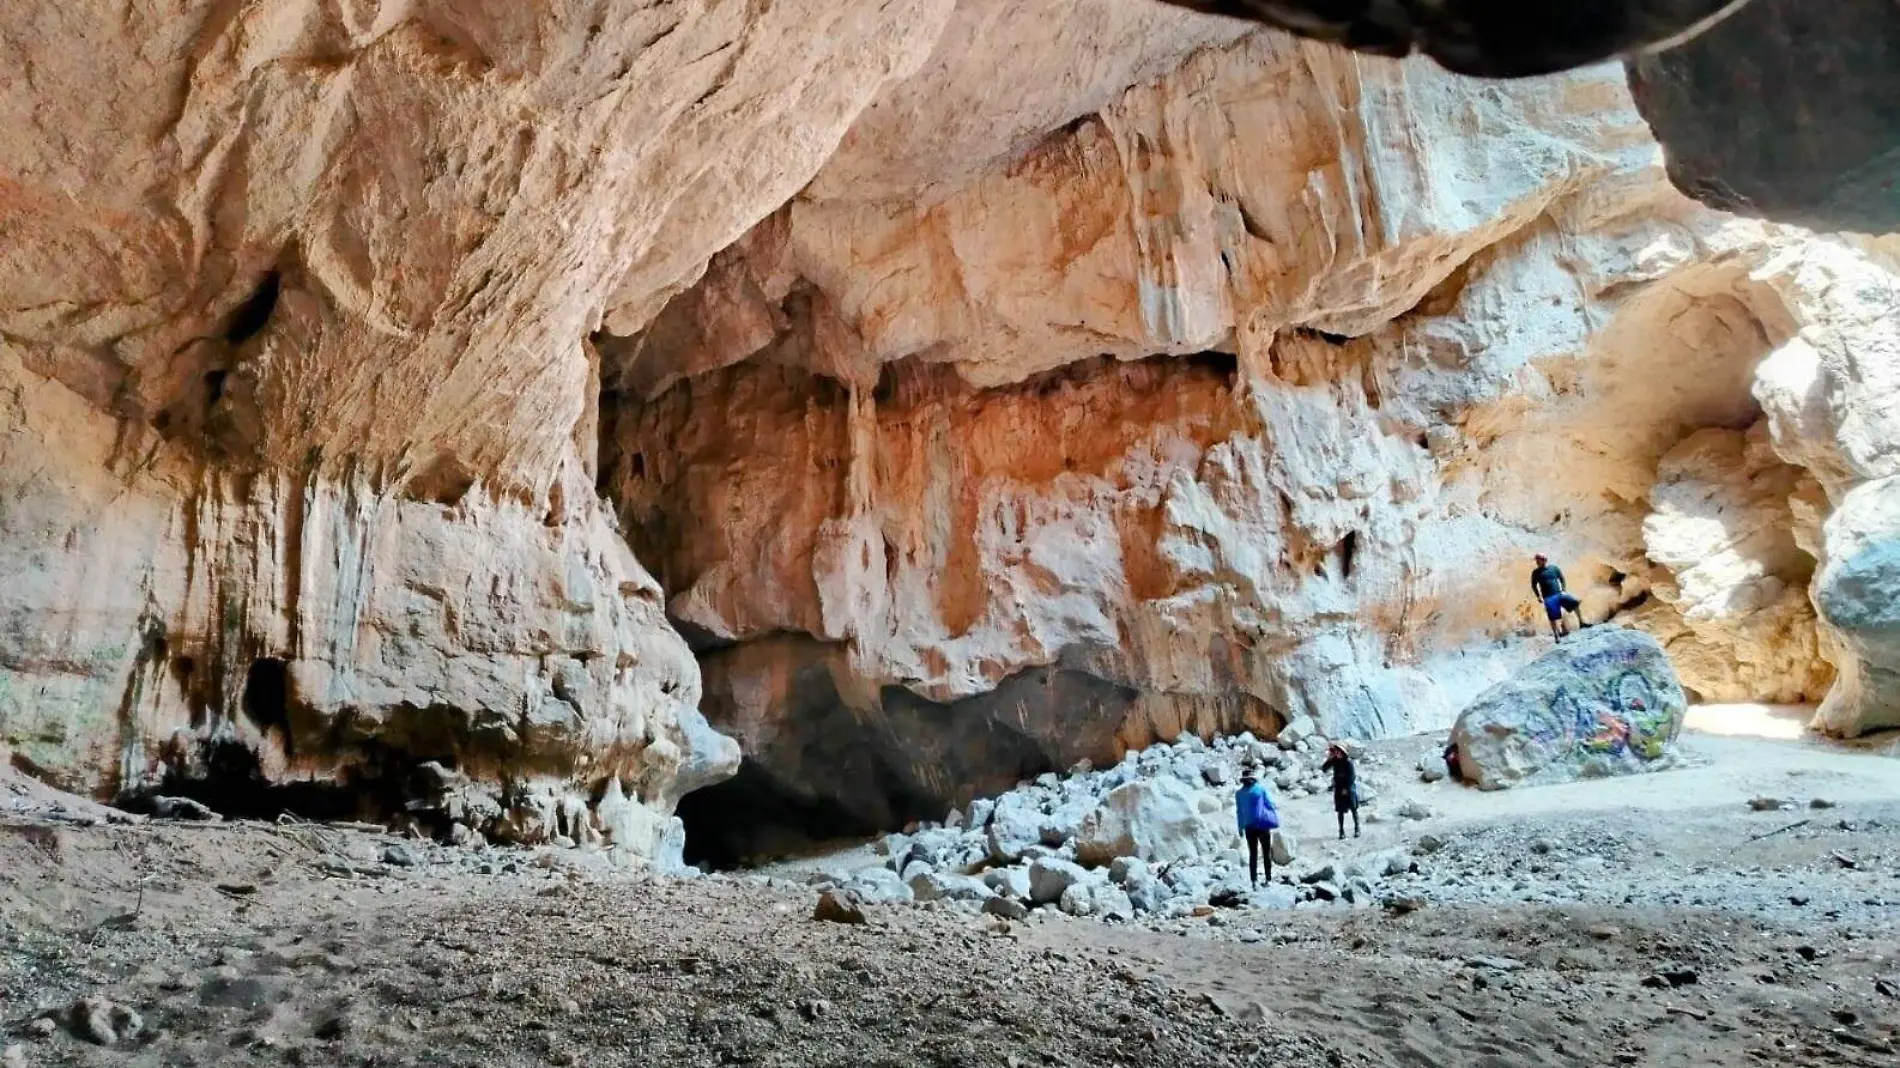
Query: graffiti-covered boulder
<point x="1604" y="702"/>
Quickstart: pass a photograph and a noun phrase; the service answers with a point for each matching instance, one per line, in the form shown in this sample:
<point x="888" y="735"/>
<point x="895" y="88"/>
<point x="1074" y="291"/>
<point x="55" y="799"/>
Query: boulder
<point x="839" y="906"/>
<point x="937" y="886"/>
<point x="1156" y="819"/>
<point x="1300" y="730"/>
<point x="1015" y="827"/>
<point x="1009" y="882"/>
<point x="1285" y="847"/>
<point x="1049" y="878"/>
<point x="1603" y="702"/>
<point x="1274" y="897"/>
<point x="879" y="884"/>
<point x="1007" y="908"/>
<point x="1098" y="898"/>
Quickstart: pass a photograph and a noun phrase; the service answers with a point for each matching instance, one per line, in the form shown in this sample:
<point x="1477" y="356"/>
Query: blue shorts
<point x="1557" y="603"/>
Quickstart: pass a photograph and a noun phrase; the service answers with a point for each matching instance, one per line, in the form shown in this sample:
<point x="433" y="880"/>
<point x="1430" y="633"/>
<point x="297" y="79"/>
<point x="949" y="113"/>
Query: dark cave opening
<point x="250" y="317"/>
<point x="230" y="781"/>
<point x="266" y="700"/>
<point x="735" y="823"/>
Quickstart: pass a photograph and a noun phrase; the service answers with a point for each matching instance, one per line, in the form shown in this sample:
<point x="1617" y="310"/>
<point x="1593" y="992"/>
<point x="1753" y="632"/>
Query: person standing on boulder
<point x="1345" y="787"/>
<point x="1258" y="820"/>
<point x="1547" y="583"/>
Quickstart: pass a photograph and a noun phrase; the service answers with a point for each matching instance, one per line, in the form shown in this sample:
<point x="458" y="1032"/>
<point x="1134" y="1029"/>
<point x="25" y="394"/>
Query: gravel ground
<point x="1539" y="932"/>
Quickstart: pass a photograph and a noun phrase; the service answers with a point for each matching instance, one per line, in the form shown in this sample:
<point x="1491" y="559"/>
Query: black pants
<point x="1344" y="802"/>
<point x="1259" y="850"/>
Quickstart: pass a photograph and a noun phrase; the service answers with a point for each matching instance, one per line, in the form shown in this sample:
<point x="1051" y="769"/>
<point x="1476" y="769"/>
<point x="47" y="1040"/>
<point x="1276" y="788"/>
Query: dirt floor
<point x="1660" y="921"/>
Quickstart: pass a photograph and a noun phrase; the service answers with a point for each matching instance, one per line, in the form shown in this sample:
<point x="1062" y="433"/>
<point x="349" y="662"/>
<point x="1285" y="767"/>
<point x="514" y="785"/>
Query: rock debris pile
<point x="1151" y="836"/>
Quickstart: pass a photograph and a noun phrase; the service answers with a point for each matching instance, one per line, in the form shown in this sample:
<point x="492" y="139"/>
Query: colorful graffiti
<point x="1622" y="717"/>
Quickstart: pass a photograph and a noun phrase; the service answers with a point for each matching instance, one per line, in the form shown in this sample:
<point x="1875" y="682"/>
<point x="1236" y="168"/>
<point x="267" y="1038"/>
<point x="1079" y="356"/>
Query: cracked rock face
<point x="503" y="403"/>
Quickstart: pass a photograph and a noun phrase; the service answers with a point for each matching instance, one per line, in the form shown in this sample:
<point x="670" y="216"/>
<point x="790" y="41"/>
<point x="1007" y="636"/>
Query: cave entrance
<point x="230" y="781"/>
<point x="749" y="820"/>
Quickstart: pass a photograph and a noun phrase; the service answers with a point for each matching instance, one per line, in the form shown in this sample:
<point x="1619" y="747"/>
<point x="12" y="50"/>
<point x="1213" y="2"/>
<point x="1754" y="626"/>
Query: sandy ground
<point x="1653" y="921"/>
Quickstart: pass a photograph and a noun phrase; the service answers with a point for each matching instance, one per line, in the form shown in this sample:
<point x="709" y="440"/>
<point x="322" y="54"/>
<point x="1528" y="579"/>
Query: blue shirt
<point x="1254" y="810"/>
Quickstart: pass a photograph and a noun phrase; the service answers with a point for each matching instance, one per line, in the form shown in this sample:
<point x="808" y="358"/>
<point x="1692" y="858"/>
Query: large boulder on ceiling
<point x="1787" y="110"/>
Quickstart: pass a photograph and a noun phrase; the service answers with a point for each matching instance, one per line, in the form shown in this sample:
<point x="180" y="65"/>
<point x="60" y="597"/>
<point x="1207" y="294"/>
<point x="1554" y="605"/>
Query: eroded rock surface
<point x="974" y="388"/>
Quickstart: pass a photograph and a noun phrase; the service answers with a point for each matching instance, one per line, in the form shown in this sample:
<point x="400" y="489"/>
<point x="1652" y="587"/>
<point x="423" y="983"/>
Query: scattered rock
<point x="398" y="855"/>
<point x="938" y="886"/>
<point x="1819" y="803"/>
<point x="1096" y="897"/>
<point x="1285" y="847"/>
<point x="104" y="1022"/>
<point x="1227" y="898"/>
<point x="1007" y="907"/>
<point x="1274" y="897"/>
<point x="1154" y="819"/>
<point x="1672" y="977"/>
<point x="1214" y="773"/>
<point x="1496" y="964"/>
<point x="1414" y="810"/>
<point x="1428" y="844"/>
<point x="183" y="808"/>
<point x="44" y="1027"/>
<point x="1402" y="906"/>
<point x="1123" y="869"/>
<point x="1888" y="987"/>
<point x="839" y="906"/>
<point x="1767" y="804"/>
<point x="1605" y="933"/>
<point x="1432" y="768"/>
<point x="1049" y="878"/>
<point x="879" y="884"/>
<point x="1300" y="730"/>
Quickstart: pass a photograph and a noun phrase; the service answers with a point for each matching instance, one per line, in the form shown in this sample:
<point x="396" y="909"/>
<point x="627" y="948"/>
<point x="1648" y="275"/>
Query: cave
<point x="266" y="699"/>
<point x="251" y="317"/>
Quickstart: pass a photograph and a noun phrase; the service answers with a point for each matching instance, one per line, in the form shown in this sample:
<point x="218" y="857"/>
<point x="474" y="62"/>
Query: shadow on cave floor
<point x="747" y="821"/>
<point x="232" y="783"/>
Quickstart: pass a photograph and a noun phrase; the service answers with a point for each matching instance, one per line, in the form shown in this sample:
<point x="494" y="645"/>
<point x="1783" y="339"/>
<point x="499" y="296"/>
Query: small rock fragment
<point x="1820" y="803"/>
<point x="839" y="906"/>
<point x="103" y="1022"/>
<point x="399" y="856"/>
<point x="1413" y="810"/>
<point x="1766" y="804"/>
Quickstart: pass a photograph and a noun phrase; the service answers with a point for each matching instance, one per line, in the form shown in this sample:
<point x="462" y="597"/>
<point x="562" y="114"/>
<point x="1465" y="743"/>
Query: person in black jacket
<point x="1345" y="787"/>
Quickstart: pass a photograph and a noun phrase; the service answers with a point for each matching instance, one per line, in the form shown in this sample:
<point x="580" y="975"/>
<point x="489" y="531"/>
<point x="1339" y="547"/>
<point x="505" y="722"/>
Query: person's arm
<point x="1559" y="573"/>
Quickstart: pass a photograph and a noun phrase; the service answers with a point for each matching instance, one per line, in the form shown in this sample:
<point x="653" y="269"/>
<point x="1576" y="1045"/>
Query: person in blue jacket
<point x="1258" y="820"/>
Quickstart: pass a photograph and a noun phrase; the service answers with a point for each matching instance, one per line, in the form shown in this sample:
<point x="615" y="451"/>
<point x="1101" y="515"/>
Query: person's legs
<point x="1340" y="810"/>
<point x="1266" y="857"/>
<point x="1253" y="857"/>
<point x="1575" y="608"/>
<point x="1355" y="817"/>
